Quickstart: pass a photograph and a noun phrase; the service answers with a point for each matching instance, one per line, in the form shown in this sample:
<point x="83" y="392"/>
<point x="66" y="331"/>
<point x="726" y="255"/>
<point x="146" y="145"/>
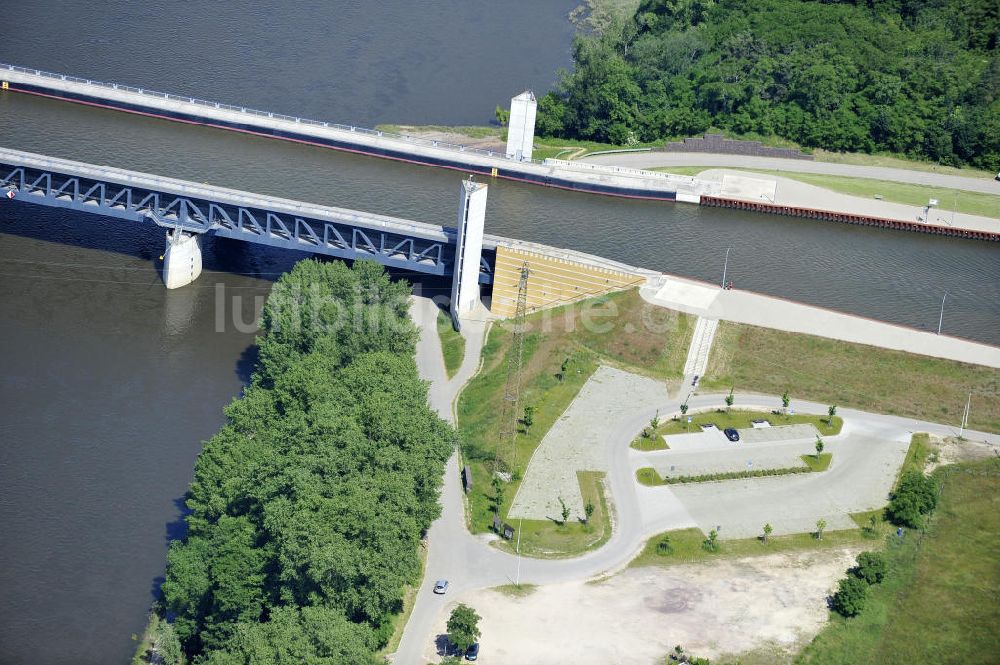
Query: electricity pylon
<point x="506" y="450"/>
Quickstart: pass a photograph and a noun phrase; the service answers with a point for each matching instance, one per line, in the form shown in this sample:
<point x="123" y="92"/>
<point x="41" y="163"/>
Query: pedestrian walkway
<point x="701" y="346"/>
<point x="710" y="301"/>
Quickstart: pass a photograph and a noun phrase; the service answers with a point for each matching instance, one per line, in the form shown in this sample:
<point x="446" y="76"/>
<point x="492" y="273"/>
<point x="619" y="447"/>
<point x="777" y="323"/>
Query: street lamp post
<point x="725" y="267"/>
<point x="941" y="317"/>
<point x="517" y="577"/>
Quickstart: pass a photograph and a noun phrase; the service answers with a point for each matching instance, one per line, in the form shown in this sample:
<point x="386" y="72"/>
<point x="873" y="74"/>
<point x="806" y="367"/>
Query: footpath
<point x="712" y="302"/>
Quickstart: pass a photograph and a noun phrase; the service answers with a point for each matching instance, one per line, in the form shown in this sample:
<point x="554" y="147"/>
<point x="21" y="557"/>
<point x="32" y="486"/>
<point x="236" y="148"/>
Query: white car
<point x="440" y="587"/>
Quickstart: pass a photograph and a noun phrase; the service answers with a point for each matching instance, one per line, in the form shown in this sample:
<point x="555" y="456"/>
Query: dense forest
<point x="913" y="77"/>
<point x="307" y="508"/>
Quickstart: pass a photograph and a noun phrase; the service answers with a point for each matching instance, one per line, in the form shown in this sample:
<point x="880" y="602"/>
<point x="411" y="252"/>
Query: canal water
<point x="110" y="383"/>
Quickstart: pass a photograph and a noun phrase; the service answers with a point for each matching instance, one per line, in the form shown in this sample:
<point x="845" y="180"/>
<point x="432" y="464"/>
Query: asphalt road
<point x="646" y="160"/>
<point x="469" y="563"/>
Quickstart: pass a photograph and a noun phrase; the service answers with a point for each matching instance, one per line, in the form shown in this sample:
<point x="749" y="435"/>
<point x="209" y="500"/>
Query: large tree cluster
<point x="914" y="77"/>
<point x="308" y="507"/>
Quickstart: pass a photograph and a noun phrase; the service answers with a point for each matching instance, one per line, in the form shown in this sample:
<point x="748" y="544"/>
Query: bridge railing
<point x="414" y="140"/>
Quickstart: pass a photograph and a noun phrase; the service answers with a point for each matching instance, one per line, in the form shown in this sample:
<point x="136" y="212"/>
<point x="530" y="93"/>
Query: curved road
<point x="469" y="563"/>
<point x="647" y="160"/>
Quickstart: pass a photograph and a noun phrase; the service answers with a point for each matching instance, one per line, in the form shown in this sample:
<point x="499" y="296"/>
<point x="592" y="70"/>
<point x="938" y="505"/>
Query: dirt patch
<point x="455" y="138"/>
<point x="953" y="450"/>
<point x="775" y="602"/>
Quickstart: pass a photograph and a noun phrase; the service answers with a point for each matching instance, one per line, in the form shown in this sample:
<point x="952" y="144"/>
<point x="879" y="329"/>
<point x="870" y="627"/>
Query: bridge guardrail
<point x="429" y="143"/>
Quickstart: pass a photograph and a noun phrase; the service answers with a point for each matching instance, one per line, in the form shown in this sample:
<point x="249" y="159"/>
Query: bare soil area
<point x="775" y="602"/>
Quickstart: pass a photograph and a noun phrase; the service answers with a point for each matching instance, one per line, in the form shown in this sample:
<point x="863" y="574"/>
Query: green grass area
<point x="897" y="162"/>
<point x="452" y="343"/>
<point x="516" y="590"/>
<point x="648" y="440"/>
<point x="649" y="477"/>
<point x="740" y="419"/>
<point x="548" y="539"/>
<point x="939" y="602"/>
<point x="970" y="203"/>
<point x="554" y="339"/>
<point x="686" y="546"/>
<point x="819" y="462"/>
<point x="852" y="375"/>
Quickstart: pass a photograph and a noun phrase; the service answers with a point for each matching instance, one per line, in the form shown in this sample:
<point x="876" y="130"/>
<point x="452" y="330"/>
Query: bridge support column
<point x="182" y="259"/>
<point x="468" y="250"/>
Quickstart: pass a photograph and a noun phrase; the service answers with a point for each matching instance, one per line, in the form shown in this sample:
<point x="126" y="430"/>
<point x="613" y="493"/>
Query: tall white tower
<point x="521" y="128"/>
<point x="468" y="249"/>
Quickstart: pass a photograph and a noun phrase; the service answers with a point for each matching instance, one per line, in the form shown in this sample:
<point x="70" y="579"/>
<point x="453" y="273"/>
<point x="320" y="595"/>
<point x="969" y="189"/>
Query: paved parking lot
<point x="860" y="478"/>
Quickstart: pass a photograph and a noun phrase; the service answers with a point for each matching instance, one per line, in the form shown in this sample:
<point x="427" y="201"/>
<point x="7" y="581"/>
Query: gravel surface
<point x="726" y="607"/>
<point x="578" y="441"/>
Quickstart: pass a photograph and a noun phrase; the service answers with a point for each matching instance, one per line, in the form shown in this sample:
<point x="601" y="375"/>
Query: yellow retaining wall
<point x="552" y="281"/>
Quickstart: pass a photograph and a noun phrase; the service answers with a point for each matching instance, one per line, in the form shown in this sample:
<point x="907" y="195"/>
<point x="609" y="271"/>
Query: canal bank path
<point x="651" y="160"/>
<point x="710" y="301"/>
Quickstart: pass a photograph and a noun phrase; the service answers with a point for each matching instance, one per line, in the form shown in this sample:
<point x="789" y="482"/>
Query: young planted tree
<point x="654" y="424"/>
<point x="529" y="418"/>
<point x="565" y="510"/>
<point x="768" y="529"/>
<point x="872" y="528"/>
<point x="498" y="494"/>
<point x="785" y="401"/>
<point x="589" y="510"/>
<point x="730" y="399"/>
<point x="831" y="411"/>
<point x="820" y="525"/>
<point x="463" y="627"/>
<point x="562" y="369"/>
<point x="711" y="544"/>
<point x="663" y="545"/>
<point x="819" y="447"/>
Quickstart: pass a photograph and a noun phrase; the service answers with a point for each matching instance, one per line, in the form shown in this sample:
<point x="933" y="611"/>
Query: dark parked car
<point x="473" y="652"/>
<point x="731" y="434"/>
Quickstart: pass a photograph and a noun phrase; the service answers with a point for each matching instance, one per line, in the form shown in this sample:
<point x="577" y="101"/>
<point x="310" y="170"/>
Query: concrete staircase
<point x="701" y="345"/>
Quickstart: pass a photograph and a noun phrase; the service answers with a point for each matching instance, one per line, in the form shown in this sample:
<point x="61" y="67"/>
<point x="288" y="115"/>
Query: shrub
<point x="872" y="567"/>
<point x="850" y="597"/>
<point x="915" y="497"/>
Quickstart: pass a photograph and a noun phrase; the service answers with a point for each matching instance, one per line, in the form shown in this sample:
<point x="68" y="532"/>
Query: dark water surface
<point x="110" y="383"/>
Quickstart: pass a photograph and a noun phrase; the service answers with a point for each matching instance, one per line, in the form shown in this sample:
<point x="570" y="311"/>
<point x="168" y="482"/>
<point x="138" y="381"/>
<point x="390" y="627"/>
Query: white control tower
<point x="521" y="128"/>
<point x="468" y="250"/>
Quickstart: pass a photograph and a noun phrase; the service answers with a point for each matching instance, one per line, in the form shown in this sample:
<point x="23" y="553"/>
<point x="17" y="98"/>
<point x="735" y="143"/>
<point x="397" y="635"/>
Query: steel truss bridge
<point x="216" y="211"/>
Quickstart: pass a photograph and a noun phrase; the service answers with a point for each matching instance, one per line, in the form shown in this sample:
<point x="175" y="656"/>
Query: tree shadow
<point x="247" y="363"/>
<point x="444" y="646"/>
<point x="176" y="529"/>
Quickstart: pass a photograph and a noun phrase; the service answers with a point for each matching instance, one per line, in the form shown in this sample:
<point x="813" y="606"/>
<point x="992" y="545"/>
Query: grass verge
<point x="818" y="462"/>
<point x="938" y="604"/>
<point x="516" y="590"/>
<point x="970" y="203"/>
<point x="400" y="619"/>
<point x="737" y="419"/>
<point x="649" y="477"/>
<point x="560" y="354"/>
<point x="852" y="375"/>
<point x="452" y="343"/>
<point x="740" y="419"/>
<point x="548" y="539"/>
<point x="686" y="546"/>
